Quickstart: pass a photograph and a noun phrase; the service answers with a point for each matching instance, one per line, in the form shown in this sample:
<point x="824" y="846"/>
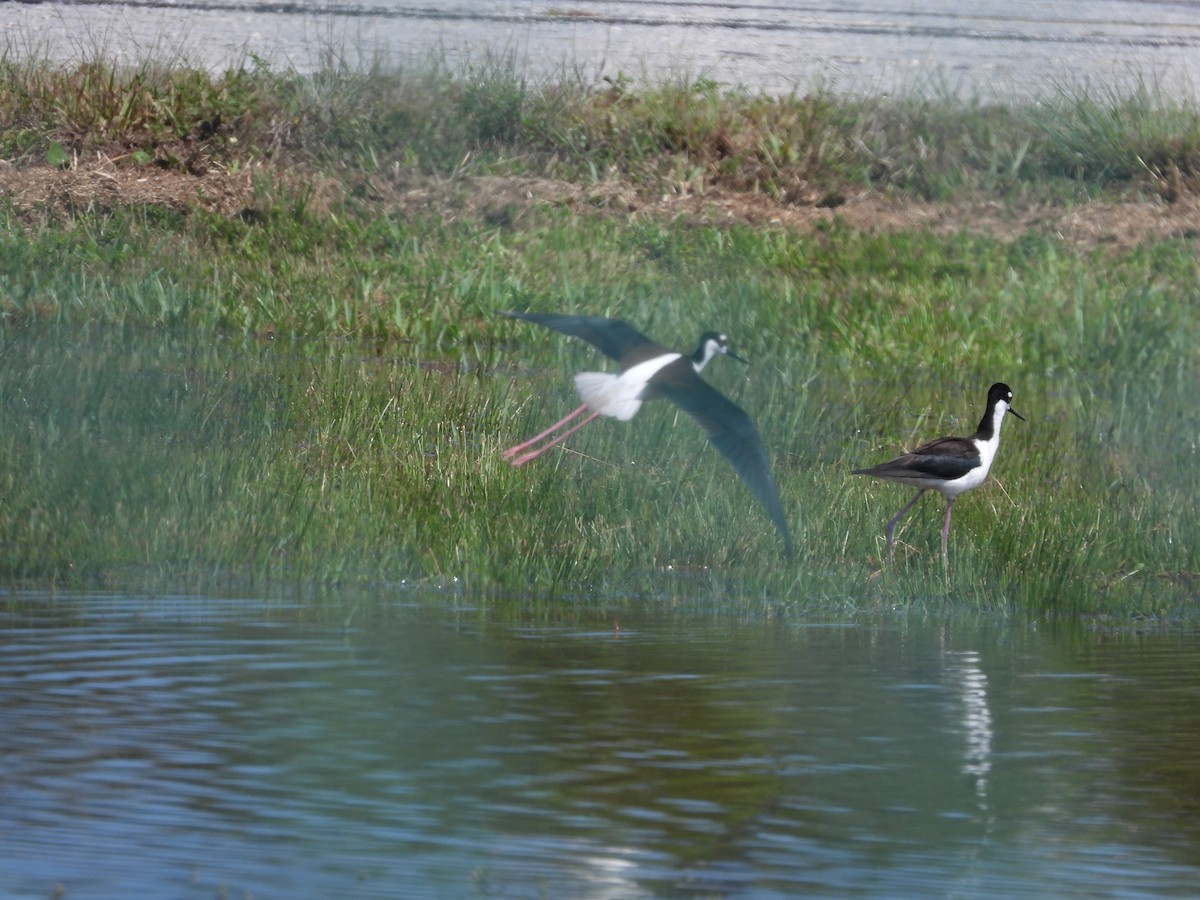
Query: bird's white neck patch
<point x="988" y="448"/>
<point x="711" y="348"/>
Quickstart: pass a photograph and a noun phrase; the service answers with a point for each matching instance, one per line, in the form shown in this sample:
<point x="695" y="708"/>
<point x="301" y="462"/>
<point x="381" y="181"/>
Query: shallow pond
<point x="196" y="747"/>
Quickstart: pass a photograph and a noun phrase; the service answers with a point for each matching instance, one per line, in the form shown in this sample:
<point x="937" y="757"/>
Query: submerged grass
<point x="318" y="393"/>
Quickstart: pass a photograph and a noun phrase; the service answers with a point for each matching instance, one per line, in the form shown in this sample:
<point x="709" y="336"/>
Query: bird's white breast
<point x="987" y="453"/>
<point x="620" y="396"/>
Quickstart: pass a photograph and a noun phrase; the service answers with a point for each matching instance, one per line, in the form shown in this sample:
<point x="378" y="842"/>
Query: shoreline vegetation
<point x="251" y="335"/>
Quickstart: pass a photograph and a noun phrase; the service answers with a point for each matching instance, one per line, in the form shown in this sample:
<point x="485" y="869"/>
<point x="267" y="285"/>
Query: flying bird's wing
<point x="733" y="433"/>
<point x="612" y="337"/>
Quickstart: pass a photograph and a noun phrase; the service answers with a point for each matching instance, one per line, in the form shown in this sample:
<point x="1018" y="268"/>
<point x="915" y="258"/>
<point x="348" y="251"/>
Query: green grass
<point x="317" y="394"/>
<point x="368" y="121"/>
<point x="326" y="460"/>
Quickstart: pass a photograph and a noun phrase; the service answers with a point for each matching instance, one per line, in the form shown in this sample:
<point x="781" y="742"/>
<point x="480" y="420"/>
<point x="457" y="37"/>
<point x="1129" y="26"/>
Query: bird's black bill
<point x="1017" y="414"/>
<point x="733" y="355"/>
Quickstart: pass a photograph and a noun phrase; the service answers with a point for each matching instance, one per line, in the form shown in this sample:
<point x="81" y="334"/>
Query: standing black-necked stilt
<point x="949" y="465"/>
<point x="649" y="371"/>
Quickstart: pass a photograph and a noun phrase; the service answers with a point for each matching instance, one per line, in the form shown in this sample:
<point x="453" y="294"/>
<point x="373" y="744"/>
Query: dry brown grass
<point x="37" y="191"/>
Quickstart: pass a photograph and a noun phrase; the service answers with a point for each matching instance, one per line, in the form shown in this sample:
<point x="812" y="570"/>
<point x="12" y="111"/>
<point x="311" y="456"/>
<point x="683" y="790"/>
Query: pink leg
<point x="512" y="451"/>
<point x="891" y="526"/>
<point x="946" y="529"/>
<point x="534" y="454"/>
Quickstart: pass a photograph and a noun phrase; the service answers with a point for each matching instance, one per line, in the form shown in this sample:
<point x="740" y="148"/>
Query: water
<point x="190" y="747"/>
<point x="1007" y="48"/>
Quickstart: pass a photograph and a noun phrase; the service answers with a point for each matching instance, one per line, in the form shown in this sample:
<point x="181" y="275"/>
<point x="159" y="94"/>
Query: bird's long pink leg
<point x="946" y="529"/>
<point x="513" y="451"/>
<point x="534" y="454"/>
<point x="891" y="526"/>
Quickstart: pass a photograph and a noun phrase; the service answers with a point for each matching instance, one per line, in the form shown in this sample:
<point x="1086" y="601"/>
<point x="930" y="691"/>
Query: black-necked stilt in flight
<point x="949" y="465"/>
<point x="649" y="371"/>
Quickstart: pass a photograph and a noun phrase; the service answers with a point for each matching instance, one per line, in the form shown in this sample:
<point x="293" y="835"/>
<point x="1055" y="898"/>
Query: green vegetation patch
<point x="489" y="117"/>
<point x="313" y="387"/>
<point x="352" y="452"/>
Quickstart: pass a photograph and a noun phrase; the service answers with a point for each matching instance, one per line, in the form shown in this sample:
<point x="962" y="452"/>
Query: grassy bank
<point x="680" y="135"/>
<point x="314" y="387"/>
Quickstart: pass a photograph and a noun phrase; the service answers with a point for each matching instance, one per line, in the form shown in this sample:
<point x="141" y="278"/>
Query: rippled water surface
<point x="191" y="747"/>
<point x="1012" y="46"/>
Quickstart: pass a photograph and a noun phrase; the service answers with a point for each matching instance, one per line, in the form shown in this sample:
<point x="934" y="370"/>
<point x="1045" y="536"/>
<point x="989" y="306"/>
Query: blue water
<point x="1019" y="46"/>
<point x="199" y="747"/>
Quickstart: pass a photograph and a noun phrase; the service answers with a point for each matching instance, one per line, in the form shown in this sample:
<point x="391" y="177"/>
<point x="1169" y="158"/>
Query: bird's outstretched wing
<point x="733" y="433"/>
<point x="612" y="337"/>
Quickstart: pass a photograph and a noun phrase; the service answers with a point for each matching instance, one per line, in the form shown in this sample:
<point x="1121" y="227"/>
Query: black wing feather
<point x="733" y="433"/>
<point x="945" y="458"/>
<point x="612" y="337"/>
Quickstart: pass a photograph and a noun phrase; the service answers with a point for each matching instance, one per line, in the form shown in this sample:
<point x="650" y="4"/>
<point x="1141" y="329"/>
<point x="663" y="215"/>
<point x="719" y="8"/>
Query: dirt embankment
<point x="36" y="191"/>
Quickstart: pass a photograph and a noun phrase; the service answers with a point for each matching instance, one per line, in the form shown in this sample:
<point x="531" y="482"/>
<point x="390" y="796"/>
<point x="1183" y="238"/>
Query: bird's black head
<point x="712" y="344"/>
<point x="1002" y="393"/>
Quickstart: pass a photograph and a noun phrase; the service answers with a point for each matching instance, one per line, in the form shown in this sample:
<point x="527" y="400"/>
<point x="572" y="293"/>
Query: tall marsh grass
<point x="334" y="460"/>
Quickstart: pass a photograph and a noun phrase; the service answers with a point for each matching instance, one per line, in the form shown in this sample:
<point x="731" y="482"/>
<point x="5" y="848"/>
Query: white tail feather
<point x="609" y="395"/>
